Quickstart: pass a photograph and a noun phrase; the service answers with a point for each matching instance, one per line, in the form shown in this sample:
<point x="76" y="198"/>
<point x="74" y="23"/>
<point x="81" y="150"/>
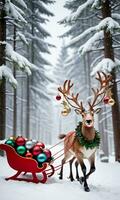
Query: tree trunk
<point x="109" y="53"/>
<point x="15" y="91"/>
<point x="2" y="62"/>
<point x="28" y="108"/>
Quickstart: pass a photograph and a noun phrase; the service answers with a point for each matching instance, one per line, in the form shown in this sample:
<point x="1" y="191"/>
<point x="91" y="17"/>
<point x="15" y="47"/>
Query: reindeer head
<point x="98" y="96"/>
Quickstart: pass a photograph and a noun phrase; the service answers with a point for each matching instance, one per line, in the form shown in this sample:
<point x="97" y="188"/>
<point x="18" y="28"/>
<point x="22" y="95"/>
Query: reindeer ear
<point x="97" y="110"/>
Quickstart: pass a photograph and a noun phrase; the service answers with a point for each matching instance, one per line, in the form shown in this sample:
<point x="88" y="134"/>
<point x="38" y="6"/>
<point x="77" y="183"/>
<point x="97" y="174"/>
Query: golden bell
<point x="64" y="112"/>
<point x="111" y="102"/>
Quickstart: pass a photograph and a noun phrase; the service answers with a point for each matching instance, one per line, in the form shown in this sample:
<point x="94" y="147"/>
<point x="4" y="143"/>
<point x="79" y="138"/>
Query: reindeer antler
<point x="104" y="81"/>
<point x="71" y="98"/>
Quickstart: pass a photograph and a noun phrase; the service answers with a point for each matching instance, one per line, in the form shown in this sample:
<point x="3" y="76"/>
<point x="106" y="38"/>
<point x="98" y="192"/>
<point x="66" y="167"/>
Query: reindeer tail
<point x="61" y="136"/>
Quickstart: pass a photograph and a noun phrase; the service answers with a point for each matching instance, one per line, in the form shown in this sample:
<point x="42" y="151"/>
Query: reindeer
<point x="73" y="146"/>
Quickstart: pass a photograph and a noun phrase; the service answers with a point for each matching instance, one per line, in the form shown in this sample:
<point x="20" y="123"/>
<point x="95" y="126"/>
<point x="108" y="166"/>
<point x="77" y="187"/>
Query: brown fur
<point x="88" y="133"/>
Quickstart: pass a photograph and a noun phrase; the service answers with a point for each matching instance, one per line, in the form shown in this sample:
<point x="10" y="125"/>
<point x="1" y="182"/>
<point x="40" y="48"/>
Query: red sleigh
<point x="26" y="165"/>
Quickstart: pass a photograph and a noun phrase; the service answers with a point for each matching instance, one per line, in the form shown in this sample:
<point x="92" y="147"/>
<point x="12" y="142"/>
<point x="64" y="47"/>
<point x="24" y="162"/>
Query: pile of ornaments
<point x="30" y="149"/>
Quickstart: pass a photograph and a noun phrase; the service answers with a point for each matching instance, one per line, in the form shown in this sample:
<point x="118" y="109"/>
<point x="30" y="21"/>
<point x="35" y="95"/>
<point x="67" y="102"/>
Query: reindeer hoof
<point x="87" y="189"/>
<point x="72" y="179"/>
<point x="60" y="177"/>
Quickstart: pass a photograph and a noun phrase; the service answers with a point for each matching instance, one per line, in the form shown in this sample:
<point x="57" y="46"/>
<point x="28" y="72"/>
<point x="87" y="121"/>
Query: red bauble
<point x="58" y="97"/>
<point x="47" y="153"/>
<point x="106" y="99"/>
<point x="29" y="155"/>
<point x="20" y="141"/>
<point x="41" y="145"/>
<point x="36" y="150"/>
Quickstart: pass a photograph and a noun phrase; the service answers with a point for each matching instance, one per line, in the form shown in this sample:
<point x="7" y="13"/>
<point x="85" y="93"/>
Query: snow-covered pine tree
<point x="61" y="73"/>
<point x="101" y="36"/>
<point x="36" y="33"/>
<point x="17" y="39"/>
<point x="10" y="13"/>
<point x="75" y="29"/>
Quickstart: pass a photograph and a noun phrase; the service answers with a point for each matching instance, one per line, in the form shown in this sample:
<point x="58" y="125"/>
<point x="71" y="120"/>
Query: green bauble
<point x="21" y="150"/>
<point x="10" y="142"/>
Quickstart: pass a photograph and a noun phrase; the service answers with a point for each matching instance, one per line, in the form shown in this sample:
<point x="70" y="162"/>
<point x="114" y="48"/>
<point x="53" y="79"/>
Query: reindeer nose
<point x="89" y="121"/>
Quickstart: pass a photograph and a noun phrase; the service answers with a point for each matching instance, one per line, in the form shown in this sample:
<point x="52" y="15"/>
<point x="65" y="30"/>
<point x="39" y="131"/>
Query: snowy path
<point x="104" y="185"/>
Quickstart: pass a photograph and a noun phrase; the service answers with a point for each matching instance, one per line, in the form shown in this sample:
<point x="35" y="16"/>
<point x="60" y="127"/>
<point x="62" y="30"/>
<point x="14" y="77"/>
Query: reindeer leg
<point x="92" y="169"/>
<point x="61" y="170"/>
<point x="71" y="174"/>
<point x="83" y="167"/>
<point x="92" y="165"/>
<point x="76" y="166"/>
<point x="66" y="157"/>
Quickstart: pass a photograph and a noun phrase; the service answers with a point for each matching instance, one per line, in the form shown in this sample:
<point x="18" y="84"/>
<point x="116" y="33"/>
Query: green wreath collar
<point x="89" y="144"/>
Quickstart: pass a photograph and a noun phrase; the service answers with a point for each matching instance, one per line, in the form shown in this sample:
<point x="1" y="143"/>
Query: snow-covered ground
<point x="104" y="185"/>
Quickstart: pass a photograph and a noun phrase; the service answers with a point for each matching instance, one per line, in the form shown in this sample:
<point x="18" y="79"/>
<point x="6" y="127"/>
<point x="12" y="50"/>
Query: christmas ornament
<point x="20" y="141"/>
<point x="106" y="99"/>
<point x="21" y="150"/>
<point x="36" y="150"/>
<point x="66" y="109"/>
<point x="29" y="144"/>
<point x="58" y="97"/>
<point x="64" y="112"/>
<point x="12" y="138"/>
<point x="40" y="144"/>
<point x="28" y="155"/>
<point x="111" y="102"/>
<point x="34" y="142"/>
<point x="10" y="142"/>
<point x="47" y="153"/>
<point x="41" y="157"/>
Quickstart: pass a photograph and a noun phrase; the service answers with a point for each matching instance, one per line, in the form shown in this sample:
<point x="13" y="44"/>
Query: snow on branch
<point x="22" y="3"/>
<point x="7" y="74"/>
<point x="21" y="62"/>
<point x="116" y="16"/>
<point x="22" y="37"/>
<point x="43" y="9"/>
<point x="91" y="43"/>
<point x="81" y="36"/>
<point x="96" y="4"/>
<point x="78" y="12"/>
<point x="106" y="65"/>
<point x="14" y="12"/>
<point x="107" y="24"/>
